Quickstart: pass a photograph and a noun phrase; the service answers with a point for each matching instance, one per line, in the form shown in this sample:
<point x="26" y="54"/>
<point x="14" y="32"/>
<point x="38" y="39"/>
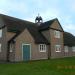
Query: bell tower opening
<point x="38" y="19"/>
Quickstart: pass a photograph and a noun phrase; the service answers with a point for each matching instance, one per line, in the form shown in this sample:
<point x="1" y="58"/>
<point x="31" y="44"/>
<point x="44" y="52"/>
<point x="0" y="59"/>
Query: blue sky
<point x="64" y="10"/>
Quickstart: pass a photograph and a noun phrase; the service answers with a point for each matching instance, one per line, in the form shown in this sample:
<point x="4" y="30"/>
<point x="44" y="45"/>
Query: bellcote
<point x="38" y="19"/>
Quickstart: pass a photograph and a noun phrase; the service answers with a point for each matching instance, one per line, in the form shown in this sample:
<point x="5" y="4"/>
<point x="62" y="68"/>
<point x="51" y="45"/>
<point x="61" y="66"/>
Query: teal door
<point x="26" y="52"/>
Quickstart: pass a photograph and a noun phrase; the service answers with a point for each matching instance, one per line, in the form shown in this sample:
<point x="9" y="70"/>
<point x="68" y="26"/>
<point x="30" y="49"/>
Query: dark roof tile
<point x="69" y="39"/>
<point x="18" y="25"/>
<point x="46" y="24"/>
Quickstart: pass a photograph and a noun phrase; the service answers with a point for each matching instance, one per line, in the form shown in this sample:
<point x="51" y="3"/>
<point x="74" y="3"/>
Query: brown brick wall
<point x="25" y="37"/>
<point x="56" y="41"/>
<point x="49" y="34"/>
<point x="12" y="54"/>
<point x="56" y="25"/>
<point x="46" y="33"/>
<point x="5" y="37"/>
<point x="70" y="52"/>
<point x="9" y="35"/>
<point x="3" y="53"/>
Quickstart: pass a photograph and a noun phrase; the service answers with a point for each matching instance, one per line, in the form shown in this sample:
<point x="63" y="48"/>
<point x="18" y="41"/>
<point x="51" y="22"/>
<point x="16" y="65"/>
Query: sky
<point x="64" y="10"/>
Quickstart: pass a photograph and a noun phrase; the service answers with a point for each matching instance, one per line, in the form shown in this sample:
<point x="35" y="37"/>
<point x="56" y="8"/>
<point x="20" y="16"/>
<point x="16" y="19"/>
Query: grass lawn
<point x="64" y="66"/>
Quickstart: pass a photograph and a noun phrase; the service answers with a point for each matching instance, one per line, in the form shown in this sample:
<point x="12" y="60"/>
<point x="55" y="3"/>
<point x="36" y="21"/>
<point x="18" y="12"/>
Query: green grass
<point x="64" y="66"/>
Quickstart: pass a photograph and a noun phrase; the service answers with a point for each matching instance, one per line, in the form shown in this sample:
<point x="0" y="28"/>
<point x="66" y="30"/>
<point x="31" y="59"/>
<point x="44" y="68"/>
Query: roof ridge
<point x="69" y="33"/>
<point x="15" y="18"/>
<point x="50" y="20"/>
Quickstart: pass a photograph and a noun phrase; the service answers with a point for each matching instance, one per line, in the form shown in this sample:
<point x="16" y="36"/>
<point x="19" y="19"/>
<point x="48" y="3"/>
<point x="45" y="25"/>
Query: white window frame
<point x="0" y="47"/>
<point x="0" y="33"/>
<point x="57" y="34"/>
<point x="73" y="48"/>
<point x="57" y="48"/>
<point x="11" y="47"/>
<point x="66" y="49"/>
<point x="42" y="47"/>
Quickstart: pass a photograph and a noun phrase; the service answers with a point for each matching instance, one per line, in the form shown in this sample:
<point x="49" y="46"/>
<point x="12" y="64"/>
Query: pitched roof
<point x="69" y="39"/>
<point x="46" y="25"/>
<point x="37" y="35"/>
<point x="15" y="24"/>
<point x="18" y="25"/>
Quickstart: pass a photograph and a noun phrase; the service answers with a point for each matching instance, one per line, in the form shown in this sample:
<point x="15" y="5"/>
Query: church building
<point x="22" y="40"/>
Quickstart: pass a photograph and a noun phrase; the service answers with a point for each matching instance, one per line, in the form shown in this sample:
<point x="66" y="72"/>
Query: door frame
<point x="22" y="50"/>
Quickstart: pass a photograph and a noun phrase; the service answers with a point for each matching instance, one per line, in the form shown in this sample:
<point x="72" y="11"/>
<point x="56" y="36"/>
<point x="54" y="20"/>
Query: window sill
<point x="58" y="51"/>
<point x="57" y="37"/>
<point x="66" y="52"/>
<point x="10" y="51"/>
<point x="73" y="51"/>
<point x="42" y="51"/>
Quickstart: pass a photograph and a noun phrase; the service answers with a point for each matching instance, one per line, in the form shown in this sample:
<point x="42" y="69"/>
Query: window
<point x="57" y="48"/>
<point x="66" y="48"/>
<point x="73" y="48"/>
<point x="11" y="47"/>
<point x="57" y="34"/>
<point x="0" y="32"/>
<point x="0" y="47"/>
<point x="42" y="48"/>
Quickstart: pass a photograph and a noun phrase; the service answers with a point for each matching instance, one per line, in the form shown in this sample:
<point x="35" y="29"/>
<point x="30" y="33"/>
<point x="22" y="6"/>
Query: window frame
<point x="73" y="48"/>
<point x="0" y="33"/>
<point x="66" y="49"/>
<point x="56" y="34"/>
<point x="42" y="47"/>
<point x="11" y="47"/>
<point x="57" y="47"/>
<point x="0" y="47"/>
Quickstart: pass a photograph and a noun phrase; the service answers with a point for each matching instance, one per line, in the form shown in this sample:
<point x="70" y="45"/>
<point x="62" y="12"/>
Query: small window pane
<point x="57" y="48"/>
<point x="11" y="47"/>
<point x="66" y="48"/>
<point x="0" y="47"/>
<point x="0" y="32"/>
<point x="42" y="48"/>
<point x="57" y="34"/>
<point x="73" y="49"/>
